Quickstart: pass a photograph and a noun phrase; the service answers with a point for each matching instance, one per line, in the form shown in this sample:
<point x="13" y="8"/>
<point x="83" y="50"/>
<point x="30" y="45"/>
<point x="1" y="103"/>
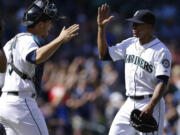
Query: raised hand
<point x="104" y="17"/>
<point x="69" y="33"/>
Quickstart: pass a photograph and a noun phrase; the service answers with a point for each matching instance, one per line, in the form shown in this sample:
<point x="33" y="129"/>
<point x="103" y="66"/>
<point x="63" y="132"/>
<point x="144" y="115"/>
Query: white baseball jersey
<point x="143" y="63"/>
<point x="24" y="45"/>
<point x="19" y="113"/>
<point x="1" y="79"/>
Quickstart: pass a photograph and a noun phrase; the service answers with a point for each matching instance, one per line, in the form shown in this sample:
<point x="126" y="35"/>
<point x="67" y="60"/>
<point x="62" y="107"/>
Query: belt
<point x="16" y="93"/>
<point x="140" y="97"/>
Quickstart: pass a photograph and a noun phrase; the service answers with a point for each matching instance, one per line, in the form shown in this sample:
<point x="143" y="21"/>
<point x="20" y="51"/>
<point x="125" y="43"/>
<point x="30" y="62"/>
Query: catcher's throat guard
<point x="141" y="124"/>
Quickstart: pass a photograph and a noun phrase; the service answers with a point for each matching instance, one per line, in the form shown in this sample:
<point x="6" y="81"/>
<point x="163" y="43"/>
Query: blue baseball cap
<point x="143" y="16"/>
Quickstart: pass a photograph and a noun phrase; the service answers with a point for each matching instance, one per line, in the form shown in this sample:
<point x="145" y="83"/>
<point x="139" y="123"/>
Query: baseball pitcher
<point x="147" y="70"/>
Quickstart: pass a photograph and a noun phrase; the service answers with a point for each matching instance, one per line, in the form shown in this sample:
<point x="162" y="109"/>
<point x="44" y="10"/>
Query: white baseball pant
<point x="20" y="115"/>
<point x="120" y="124"/>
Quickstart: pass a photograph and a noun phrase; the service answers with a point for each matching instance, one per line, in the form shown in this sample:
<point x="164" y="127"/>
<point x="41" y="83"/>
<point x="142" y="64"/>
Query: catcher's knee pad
<point x="2" y="130"/>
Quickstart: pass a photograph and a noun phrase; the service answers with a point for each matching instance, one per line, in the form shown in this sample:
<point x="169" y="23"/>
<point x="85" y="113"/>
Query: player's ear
<point x="150" y="26"/>
<point x="40" y="24"/>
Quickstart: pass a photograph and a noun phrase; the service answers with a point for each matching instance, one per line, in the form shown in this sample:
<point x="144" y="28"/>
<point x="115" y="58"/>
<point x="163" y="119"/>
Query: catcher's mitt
<point x="142" y="124"/>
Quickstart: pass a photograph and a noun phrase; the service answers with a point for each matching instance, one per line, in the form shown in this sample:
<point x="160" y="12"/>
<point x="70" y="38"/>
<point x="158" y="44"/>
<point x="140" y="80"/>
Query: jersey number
<point x="10" y="71"/>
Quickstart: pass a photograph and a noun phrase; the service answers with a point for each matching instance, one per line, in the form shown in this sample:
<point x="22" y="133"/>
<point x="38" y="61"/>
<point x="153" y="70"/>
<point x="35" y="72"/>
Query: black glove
<point x="2" y="130"/>
<point x="143" y="124"/>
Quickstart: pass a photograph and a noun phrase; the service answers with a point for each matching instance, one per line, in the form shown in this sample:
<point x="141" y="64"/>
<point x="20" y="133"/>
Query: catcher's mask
<point x="38" y="9"/>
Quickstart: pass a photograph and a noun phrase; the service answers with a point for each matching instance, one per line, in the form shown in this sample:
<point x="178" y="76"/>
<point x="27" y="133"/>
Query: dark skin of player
<point x="145" y="34"/>
<point x="3" y="62"/>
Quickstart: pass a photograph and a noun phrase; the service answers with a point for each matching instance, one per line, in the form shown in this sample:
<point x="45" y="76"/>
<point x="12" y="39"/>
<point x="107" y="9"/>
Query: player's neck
<point x="146" y="39"/>
<point x="34" y="31"/>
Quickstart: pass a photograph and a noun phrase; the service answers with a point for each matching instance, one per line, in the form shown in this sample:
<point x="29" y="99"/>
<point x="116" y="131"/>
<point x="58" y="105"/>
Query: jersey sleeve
<point x="30" y="46"/>
<point x="118" y="52"/>
<point x="163" y="63"/>
<point x="7" y="50"/>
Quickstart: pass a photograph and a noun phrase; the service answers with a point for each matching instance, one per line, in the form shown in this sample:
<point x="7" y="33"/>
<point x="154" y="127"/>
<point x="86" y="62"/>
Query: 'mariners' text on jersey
<point x="140" y="62"/>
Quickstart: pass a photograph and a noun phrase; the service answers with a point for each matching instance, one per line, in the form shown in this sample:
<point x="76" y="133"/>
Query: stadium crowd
<point x="81" y="94"/>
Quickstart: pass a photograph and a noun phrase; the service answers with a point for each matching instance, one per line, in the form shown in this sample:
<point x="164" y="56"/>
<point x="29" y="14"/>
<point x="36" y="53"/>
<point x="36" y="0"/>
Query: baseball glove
<point x="143" y="124"/>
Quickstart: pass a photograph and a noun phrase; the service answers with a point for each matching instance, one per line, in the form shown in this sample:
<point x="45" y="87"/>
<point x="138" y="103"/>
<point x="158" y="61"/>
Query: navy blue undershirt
<point x="162" y="78"/>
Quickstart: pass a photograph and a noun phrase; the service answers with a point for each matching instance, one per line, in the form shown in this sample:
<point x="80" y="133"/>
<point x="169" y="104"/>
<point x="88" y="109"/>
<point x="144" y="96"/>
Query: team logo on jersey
<point x="140" y="62"/>
<point x="166" y="63"/>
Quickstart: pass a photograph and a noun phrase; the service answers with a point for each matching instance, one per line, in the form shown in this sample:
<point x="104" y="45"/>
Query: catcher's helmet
<point x="39" y="8"/>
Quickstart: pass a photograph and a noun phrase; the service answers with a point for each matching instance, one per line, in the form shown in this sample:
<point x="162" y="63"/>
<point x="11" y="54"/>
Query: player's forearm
<point x="3" y="61"/>
<point x="158" y="93"/>
<point x="43" y="53"/>
<point x="102" y="42"/>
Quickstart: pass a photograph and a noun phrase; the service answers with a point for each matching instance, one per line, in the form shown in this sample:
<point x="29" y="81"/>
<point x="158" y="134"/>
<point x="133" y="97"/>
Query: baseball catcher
<point x="26" y="57"/>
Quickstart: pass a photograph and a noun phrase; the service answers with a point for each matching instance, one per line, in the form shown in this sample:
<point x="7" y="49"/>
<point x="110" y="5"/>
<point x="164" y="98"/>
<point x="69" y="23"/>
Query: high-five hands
<point x="104" y="17"/>
<point x="69" y="33"/>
